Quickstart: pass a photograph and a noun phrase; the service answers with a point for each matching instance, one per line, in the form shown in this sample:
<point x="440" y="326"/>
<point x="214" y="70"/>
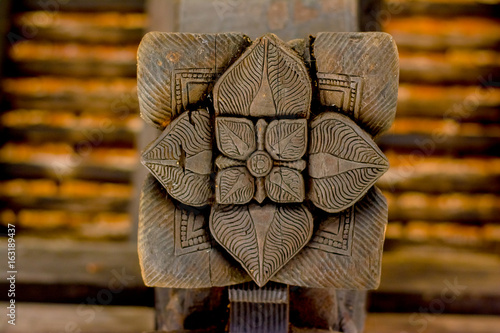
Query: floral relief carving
<point x="261" y="169"/>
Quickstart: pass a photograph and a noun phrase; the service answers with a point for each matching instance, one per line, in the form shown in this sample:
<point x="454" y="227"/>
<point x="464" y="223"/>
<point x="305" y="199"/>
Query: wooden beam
<point x="430" y="33"/>
<point x="45" y="318"/>
<point x="86" y="172"/>
<point x="443" y="8"/>
<point x="446" y="207"/>
<point x="405" y="269"/>
<point x="81" y="5"/>
<point x="76" y="262"/>
<point x="430" y="269"/>
<point x="430" y="323"/>
<point x="451" y="68"/>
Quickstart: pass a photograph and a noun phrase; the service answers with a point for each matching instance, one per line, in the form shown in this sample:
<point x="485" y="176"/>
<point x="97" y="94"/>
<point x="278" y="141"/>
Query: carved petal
<point x="234" y="186"/>
<point x="262" y="238"/>
<point x="235" y="137"/>
<point x="286" y="140"/>
<point x="268" y="80"/>
<point x="181" y="158"/>
<point x="344" y="162"/>
<point x="285" y="185"/>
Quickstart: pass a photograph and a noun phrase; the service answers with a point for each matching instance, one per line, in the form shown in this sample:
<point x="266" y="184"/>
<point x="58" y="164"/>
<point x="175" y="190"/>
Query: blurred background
<point x="70" y="132"/>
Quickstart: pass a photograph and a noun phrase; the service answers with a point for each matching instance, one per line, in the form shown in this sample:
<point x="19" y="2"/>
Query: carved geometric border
<point x="342" y="90"/>
<point x="182" y="78"/>
<point x="190" y="233"/>
<point x="335" y="233"/>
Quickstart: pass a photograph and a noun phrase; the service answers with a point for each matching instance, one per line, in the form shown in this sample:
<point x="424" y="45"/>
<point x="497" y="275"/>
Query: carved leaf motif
<point x="344" y="162"/>
<point x="234" y="186"/>
<point x="286" y="140"/>
<point x="181" y="158"/>
<point x="262" y="238"/>
<point x="268" y="80"/>
<point x="235" y="137"/>
<point x="285" y="185"/>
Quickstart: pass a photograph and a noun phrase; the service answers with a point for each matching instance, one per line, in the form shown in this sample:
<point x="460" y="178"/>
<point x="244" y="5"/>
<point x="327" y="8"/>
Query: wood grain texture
<point x="181" y="158"/>
<point x="261" y="238"/>
<point x="178" y="69"/>
<point x="358" y="73"/>
<point x="259" y="310"/>
<point x="261" y="108"/>
<point x="268" y="80"/>
<point x="160" y="265"/>
<point x="316" y="266"/>
<point x="344" y="162"/>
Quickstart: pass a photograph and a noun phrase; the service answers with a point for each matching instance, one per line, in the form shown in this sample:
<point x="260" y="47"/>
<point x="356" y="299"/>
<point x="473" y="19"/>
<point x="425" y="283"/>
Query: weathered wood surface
<point x="459" y="207"/>
<point x="116" y="96"/>
<point x="77" y="262"/>
<point x="81" y="5"/>
<point x="463" y="103"/>
<point x="441" y="174"/>
<point x="443" y="8"/>
<point x="53" y="317"/>
<point x="430" y="33"/>
<point x="259" y="310"/>
<point x="287" y="19"/>
<point x="263" y="160"/>
<point x="80" y="27"/>
<point x="425" y="268"/>
<point x="85" y="318"/>
<point x="465" y="67"/>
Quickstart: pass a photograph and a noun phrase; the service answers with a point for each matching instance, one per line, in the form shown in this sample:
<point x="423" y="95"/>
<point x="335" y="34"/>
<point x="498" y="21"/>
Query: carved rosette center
<point x="260" y="164"/>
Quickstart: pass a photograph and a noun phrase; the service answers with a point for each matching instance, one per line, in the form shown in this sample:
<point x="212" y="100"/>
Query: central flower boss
<point x="266" y="154"/>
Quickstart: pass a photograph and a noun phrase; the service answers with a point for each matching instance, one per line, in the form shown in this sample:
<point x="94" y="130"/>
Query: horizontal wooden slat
<point x="430" y="323"/>
<point x="107" y="27"/>
<point x="425" y="269"/>
<point x="59" y="261"/>
<point x="463" y="103"/>
<point x="85" y="205"/>
<point x="438" y="34"/>
<point x="65" y="223"/>
<point x="455" y="67"/>
<point x="80" y="5"/>
<point x="117" y="96"/>
<point x="425" y="322"/>
<point x="406" y="269"/>
<point x="44" y="134"/>
<point x="443" y="8"/>
<point x="441" y="174"/>
<point x="454" y="207"/>
<point x="70" y="59"/>
<point x="418" y="144"/>
<point x="84" y="318"/>
<point x="85" y="172"/>
<point x="76" y="68"/>
<point x="486" y="236"/>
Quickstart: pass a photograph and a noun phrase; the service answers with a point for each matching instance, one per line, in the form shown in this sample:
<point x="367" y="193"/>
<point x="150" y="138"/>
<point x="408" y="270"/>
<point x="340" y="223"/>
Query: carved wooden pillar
<point x="265" y="170"/>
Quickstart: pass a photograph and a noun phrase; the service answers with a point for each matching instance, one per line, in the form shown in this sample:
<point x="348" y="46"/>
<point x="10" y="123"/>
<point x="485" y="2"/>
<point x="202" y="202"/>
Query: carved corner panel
<point x="244" y="186"/>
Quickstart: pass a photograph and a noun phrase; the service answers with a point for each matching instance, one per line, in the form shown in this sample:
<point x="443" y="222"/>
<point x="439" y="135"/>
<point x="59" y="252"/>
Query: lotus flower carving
<point x="261" y="165"/>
